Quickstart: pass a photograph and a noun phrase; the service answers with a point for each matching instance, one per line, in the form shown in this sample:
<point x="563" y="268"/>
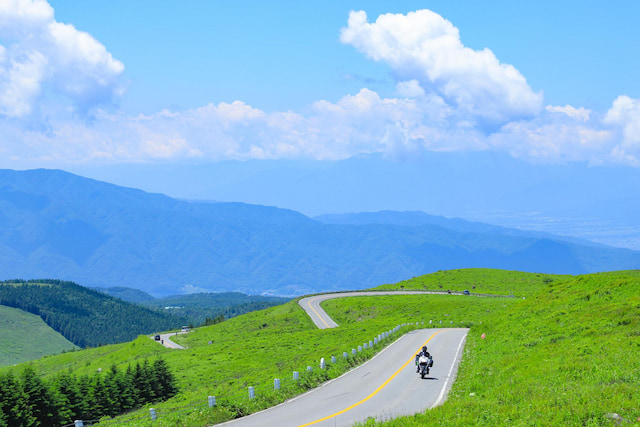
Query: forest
<point x="27" y="400"/>
<point x="202" y="306"/>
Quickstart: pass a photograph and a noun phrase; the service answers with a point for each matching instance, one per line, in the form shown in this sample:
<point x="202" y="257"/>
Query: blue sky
<point x="110" y="82"/>
<point x="168" y="96"/>
<point x="287" y="55"/>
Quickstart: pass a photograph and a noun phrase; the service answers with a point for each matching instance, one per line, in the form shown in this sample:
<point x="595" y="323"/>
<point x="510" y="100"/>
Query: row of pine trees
<point x="28" y="400"/>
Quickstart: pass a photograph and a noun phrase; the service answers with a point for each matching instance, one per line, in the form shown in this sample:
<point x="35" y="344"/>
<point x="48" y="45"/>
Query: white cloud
<point x="625" y="113"/>
<point x="37" y="53"/>
<point x="581" y="114"/>
<point x="425" y="47"/>
<point x="19" y="18"/>
<point x="410" y="89"/>
<point x="20" y="82"/>
<point x="356" y="124"/>
<point x="446" y="94"/>
<point x="555" y="136"/>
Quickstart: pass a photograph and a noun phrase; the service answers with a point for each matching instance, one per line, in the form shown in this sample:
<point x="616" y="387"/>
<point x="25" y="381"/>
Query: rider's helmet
<point x="424" y="348"/>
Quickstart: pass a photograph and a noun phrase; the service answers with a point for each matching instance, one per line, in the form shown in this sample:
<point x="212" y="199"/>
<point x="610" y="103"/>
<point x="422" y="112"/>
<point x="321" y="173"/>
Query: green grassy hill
<point x="25" y="336"/>
<point x="563" y="351"/>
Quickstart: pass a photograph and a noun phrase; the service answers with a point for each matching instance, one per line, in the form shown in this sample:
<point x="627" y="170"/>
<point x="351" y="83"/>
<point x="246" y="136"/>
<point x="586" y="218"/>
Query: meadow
<point x="568" y="355"/>
<point x="25" y="336"/>
<point x="560" y="350"/>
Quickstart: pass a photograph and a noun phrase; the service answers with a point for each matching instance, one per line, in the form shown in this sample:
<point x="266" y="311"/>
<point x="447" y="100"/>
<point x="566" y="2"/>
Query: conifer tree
<point x="39" y="398"/>
<point x="14" y="407"/>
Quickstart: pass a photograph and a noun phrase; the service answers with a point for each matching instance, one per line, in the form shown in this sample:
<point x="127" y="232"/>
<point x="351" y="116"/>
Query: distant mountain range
<point x="57" y="225"/>
<point x="597" y="202"/>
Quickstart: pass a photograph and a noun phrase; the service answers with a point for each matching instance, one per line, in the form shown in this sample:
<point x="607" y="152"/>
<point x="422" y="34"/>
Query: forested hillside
<point x="200" y="307"/>
<point x="85" y="317"/>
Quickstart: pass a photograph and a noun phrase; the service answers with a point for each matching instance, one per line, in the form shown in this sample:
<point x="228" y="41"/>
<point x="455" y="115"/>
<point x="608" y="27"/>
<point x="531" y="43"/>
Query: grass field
<point x="25" y="336"/>
<point x="563" y="351"/>
<point x="569" y="355"/>
<point x="479" y="280"/>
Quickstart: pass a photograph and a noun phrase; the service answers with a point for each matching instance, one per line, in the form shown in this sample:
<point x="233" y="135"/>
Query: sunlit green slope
<point x="25" y="336"/>
<point x="562" y="351"/>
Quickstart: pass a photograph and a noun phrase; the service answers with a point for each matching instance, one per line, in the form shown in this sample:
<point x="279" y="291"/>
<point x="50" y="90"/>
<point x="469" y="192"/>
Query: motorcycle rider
<point x="425" y="353"/>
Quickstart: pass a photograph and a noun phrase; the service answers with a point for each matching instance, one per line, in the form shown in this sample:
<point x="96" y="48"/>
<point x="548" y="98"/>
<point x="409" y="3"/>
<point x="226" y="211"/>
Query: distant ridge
<point x="418" y="219"/>
<point x="56" y="224"/>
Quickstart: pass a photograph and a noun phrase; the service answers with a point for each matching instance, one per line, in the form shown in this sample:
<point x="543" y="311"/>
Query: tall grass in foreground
<point x="568" y="356"/>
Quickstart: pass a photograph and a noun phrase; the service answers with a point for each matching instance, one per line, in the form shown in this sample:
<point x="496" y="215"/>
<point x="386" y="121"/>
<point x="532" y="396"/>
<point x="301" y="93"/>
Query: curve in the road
<point x="384" y="387"/>
<point x="311" y="305"/>
<point x="165" y="340"/>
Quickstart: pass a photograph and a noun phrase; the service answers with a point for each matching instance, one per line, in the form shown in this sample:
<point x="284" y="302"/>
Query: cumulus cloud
<point x="39" y="53"/>
<point x="557" y="135"/>
<point x="448" y="98"/>
<point x="355" y="124"/>
<point x="410" y="89"/>
<point x="580" y="114"/>
<point x="425" y="47"/>
<point x="361" y="123"/>
<point x="625" y="113"/>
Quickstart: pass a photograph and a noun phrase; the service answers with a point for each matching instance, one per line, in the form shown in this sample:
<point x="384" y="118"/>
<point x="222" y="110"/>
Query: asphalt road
<point x="385" y="387"/>
<point x="322" y="320"/>
<point x="165" y="340"/>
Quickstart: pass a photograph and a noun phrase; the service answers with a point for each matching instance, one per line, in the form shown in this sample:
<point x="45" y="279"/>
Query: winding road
<point x="322" y="320"/>
<point x="165" y="340"/>
<point x="384" y="387"/>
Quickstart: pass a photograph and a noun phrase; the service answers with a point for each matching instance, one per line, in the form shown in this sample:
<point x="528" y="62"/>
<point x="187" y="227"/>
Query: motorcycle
<point x="424" y="363"/>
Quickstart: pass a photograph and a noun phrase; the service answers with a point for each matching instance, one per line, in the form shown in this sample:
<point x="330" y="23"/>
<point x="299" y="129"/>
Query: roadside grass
<point x="25" y="336"/>
<point x="479" y="280"/>
<point x="565" y="355"/>
<point x="253" y="349"/>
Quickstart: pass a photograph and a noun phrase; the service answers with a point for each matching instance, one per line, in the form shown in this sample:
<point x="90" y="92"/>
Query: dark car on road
<point x="466" y="293"/>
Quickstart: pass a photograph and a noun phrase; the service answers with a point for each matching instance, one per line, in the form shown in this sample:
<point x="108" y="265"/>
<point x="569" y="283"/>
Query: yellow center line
<point x="376" y="390"/>
<point x="314" y="310"/>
